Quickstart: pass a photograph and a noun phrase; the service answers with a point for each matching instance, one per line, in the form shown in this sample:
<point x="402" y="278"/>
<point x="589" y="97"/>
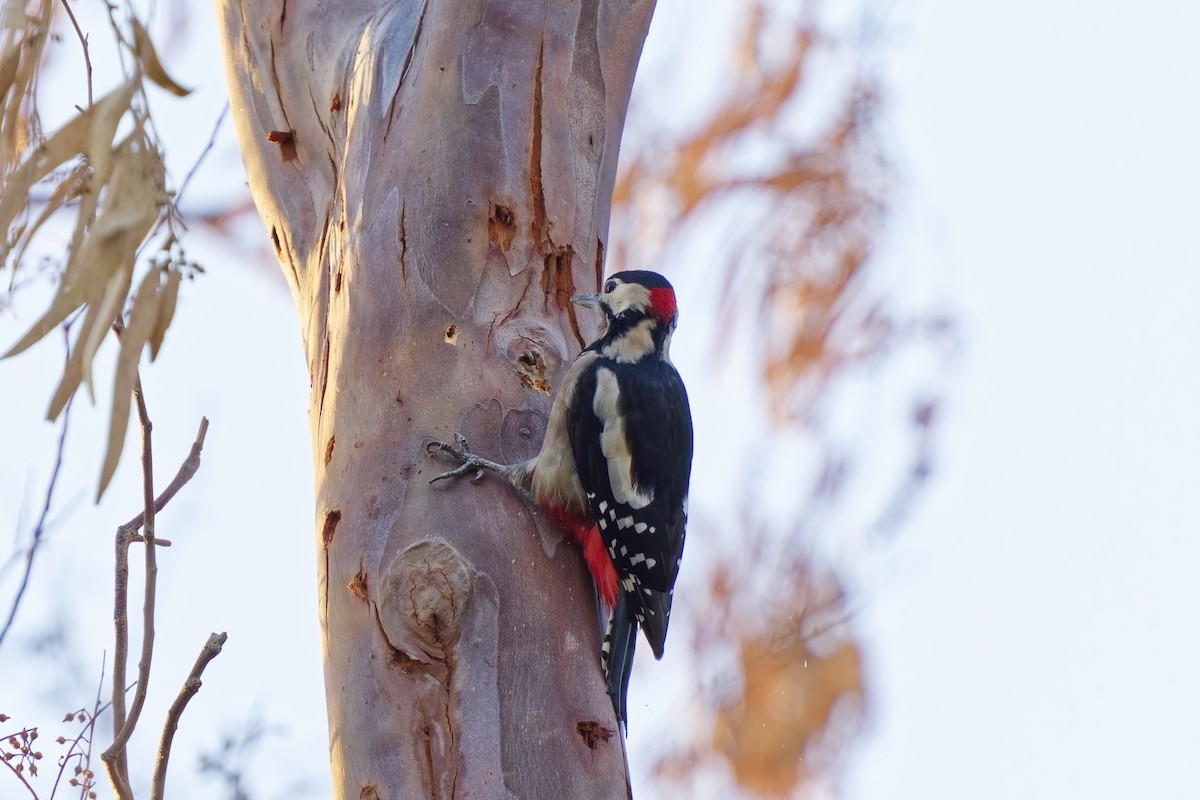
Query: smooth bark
<point x="435" y="179"/>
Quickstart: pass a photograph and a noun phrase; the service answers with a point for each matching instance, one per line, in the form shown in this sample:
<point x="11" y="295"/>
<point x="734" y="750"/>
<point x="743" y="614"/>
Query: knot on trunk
<point x="423" y="596"/>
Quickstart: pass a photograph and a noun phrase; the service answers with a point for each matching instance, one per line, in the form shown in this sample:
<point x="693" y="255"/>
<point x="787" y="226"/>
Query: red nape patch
<point x="663" y="302"/>
<point x="586" y="535"/>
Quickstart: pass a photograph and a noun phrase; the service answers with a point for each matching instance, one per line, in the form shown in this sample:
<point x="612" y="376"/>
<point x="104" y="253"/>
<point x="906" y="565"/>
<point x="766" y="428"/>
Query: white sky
<point x="1038" y="639"/>
<point x="1031" y="634"/>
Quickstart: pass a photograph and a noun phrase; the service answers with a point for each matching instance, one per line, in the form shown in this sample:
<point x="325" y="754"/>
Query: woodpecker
<point x="614" y="466"/>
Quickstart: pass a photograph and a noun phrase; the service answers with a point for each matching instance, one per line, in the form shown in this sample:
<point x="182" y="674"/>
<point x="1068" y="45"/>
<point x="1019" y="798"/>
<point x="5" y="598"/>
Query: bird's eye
<point x="610" y="286"/>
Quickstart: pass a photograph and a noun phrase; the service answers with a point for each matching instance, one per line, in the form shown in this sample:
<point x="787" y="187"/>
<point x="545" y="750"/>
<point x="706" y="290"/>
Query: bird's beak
<point x="589" y="300"/>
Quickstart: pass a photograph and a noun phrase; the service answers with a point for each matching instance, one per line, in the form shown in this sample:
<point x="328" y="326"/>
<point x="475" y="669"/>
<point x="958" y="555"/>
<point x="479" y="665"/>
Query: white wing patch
<point x="614" y="444"/>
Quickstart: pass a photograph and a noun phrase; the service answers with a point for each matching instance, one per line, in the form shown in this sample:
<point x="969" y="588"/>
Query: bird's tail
<point x="616" y="656"/>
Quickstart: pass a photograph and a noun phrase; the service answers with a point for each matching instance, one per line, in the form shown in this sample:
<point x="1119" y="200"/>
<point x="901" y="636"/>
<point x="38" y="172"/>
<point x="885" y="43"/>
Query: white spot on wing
<point x="640" y="527"/>
<point x="650" y="562"/>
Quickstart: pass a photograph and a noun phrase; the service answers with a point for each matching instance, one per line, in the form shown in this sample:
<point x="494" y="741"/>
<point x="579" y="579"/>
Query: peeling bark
<point x="436" y="179"/>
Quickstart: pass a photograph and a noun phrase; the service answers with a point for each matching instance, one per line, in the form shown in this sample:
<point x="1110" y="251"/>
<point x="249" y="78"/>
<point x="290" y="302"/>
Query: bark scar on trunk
<point x="423" y="595"/>
<point x="558" y="284"/>
<point x="538" y="227"/>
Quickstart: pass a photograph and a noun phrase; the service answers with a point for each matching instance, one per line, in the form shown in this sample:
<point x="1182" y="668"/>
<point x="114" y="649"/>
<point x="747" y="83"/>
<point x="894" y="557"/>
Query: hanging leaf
<point x="149" y="58"/>
<point x="91" y="134"/>
<point x="130" y="208"/>
<point x="166" y="313"/>
<point x="142" y="318"/>
<point x="107" y="113"/>
<point x="68" y="188"/>
<point x="9" y="61"/>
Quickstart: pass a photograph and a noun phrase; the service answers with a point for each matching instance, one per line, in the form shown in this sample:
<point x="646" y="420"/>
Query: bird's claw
<point x="459" y="451"/>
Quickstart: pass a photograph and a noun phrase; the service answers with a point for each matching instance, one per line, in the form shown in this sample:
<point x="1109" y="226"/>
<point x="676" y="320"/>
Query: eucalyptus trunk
<point x="435" y="178"/>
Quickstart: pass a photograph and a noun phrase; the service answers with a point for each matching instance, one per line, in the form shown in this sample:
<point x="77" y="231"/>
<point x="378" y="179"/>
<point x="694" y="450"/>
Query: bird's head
<point x="640" y="315"/>
<point x="635" y="295"/>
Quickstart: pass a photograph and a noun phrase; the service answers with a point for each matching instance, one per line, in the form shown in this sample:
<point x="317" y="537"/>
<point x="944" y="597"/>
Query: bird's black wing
<point x="632" y="438"/>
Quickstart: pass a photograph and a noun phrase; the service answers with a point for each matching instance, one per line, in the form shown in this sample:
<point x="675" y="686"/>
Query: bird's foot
<point x="461" y="451"/>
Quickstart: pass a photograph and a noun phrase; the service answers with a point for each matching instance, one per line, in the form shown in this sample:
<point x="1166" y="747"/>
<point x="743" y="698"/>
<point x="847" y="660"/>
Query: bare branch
<point x="83" y="40"/>
<point x="186" y="470"/>
<point x="212" y="140"/>
<point x="114" y="757"/>
<point x="120" y="657"/>
<point x="124" y="721"/>
<point x="127" y="534"/>
<point x="190" y="687"/>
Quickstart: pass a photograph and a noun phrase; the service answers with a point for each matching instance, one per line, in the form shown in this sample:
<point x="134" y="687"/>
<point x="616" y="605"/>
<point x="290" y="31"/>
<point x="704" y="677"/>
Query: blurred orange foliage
<point x="805" y="212"/>
<point x="824" y="195"/>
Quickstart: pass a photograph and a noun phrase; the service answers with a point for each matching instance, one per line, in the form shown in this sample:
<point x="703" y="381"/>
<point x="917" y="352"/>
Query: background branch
<point x="40" y="527"/>
<point x="83" y="41"/>
<point x="191" y="686"/>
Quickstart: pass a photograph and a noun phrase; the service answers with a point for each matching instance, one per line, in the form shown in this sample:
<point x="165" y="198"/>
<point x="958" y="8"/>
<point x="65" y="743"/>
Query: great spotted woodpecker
<point x="614" y="466"/>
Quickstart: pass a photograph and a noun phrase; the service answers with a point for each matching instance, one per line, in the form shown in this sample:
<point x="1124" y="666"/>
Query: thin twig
<point x="40" y="528"/>
<point x="212" y="141"/>
<point x="115" y="757"/>
<point x="190" y="687"/>
<point x="20" y="777"/>
<point x="186" y="471"/>
<point x="87" y="734"/>
<point x="83" y="40"/>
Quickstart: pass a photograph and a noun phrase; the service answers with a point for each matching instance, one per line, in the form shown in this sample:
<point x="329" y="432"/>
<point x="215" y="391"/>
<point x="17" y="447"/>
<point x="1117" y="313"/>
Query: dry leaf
<point x="149" y="58"/>
<point x="73" y="371"/>
<point x="24" y="41"/>
<point x="8" y="68"/>
<point x="107" y="115"/>
<point x="107" y="308"/>
<point x="142" y="318"/>
<point x="130" y="208"/>
<point x="170" y="294"/>
<point x="100" y="271"/>
<point x="68" y="188"/>
<point x="91" y="132"/>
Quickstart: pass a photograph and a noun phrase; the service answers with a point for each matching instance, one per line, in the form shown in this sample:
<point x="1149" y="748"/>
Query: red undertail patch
<point x="587" y="536"/>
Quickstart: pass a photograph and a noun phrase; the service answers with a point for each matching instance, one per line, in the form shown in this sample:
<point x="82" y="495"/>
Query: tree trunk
<point x="436" y="180"/>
